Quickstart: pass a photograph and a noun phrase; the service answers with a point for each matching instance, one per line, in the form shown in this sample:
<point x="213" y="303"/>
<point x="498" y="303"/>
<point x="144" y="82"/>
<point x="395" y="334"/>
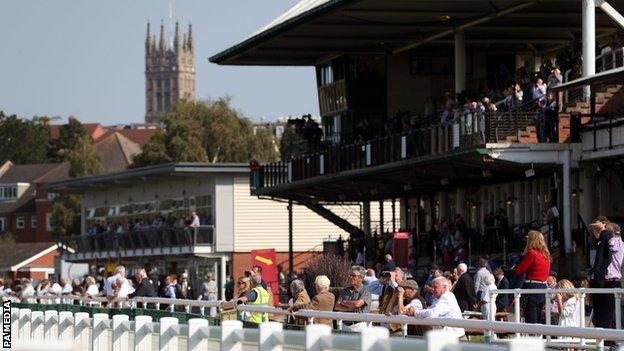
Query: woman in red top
<point x="536" y="264"/>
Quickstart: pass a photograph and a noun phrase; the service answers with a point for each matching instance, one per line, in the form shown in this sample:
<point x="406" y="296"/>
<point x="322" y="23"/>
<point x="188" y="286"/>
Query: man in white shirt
<point x="120" y="272"/>
<point x="444" y="306"/>
<point x="479" y="279"/>
<point x="194" y="220"/>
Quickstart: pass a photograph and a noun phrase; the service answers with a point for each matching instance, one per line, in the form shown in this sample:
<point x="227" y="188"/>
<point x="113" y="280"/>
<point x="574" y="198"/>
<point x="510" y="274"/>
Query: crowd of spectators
<point x="143" y="224"/>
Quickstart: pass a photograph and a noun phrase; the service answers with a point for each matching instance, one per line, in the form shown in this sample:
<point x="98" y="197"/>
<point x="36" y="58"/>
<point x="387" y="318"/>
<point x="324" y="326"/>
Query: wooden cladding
<point x="333" y="98"/>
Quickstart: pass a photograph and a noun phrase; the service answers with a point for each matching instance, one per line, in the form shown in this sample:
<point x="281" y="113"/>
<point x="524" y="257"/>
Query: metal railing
<point x="140" y="239"/>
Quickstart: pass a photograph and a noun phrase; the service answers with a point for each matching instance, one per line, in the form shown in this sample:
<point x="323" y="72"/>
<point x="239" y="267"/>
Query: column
<point x="460" y="61"/>
<point x="567" y="212"/>
<point x="222" y="277"/>
<point x="460" y="202"/>
<point x="589" y="40"/>
<point x="366" y="218"/>
<point x="381" y="217"/>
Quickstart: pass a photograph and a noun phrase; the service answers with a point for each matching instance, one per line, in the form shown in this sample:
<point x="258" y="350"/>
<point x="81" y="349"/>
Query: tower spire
<point x="190" y="37"/>
<point x="161" y="42"/>
<point x="148" y="39"/>
<point x="176" y="37"/>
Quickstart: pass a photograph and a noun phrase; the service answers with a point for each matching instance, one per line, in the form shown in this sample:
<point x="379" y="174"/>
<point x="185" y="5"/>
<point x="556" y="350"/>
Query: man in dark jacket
<point x="144" y="287"/>
<point x="464" y="289"/>
<point x="600" y="277"/>
<point x="502" y="300"/>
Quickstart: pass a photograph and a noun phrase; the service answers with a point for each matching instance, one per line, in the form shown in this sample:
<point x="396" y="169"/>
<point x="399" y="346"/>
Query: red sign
<point x="400" y="248"/>
<point x="267" y="261"/>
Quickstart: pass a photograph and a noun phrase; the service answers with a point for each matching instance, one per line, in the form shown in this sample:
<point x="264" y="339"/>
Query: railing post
<point x="548" y="311"/>
<point x="24" y="324"/>
<point x="168" y="340"/>
<point x="267" y="336"/>
<point x="438" y="340"/>
<point x="368" y="154"/>
<point x="370" y="337"/>
<point x="81" y="329"/>
<point x="618" y="311"/>
<point x="196" y="340"/>
<point x="142" y="336"/>
<point x="98" y="333"/>
<point x="121" y="335"/>
<point x="36" y="326"/>
<point x="230" y="335"/>
<point x="517" y="309"/>
<point x="50" y="327"/>
<point x="66" y="326"/>
<point x="314" y="337"/>
<point x="582" y="302"/>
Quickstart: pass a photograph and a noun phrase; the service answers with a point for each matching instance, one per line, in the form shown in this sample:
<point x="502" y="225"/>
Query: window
<point x="2" y="224"/>
<point x="52" y="196"/>
<point x="19" y="222"/>
<point x="33" y="222"/>
<point x="8" y="192"/>
<point x="279" y="131"/>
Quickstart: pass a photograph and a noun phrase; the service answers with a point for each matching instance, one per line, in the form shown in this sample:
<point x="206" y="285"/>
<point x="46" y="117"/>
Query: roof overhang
<point x="144" y="174"/>
<point x="488" y="164"/>
<point x="314" y="31"/>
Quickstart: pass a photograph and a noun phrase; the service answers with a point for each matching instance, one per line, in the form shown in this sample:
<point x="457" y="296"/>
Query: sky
<point x="86" y="58"/>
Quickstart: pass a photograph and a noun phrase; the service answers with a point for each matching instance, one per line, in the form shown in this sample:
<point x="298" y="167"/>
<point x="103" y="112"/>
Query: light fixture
<point x="530" y="172"/>
<point x="444" y="181"/>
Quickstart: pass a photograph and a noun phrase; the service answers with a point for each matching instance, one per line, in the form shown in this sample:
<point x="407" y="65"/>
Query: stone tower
<point x="169" y="72"/>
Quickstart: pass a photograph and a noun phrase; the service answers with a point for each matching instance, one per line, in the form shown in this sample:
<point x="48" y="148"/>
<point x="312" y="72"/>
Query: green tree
<point x="291" y="144"/>
<point x="83" y="159"/>
<point x="209" y="131"/>
<point x="65" y="219"/>
<point x="22" y="140"/>
<point x="69" y="137"/>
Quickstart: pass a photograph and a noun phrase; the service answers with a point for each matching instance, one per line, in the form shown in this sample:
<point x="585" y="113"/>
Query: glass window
<point x="49" y="222"/>
<point x="2" y="224"/>
<point x="33" y="222"/>
<point x="19" y="222"/>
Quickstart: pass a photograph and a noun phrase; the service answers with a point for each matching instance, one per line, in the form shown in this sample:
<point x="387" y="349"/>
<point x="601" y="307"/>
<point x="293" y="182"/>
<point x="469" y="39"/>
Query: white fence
<point x="99" y="333"/>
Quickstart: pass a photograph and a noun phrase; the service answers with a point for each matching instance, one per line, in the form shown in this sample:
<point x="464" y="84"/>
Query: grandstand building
<point x="387" y="74"/>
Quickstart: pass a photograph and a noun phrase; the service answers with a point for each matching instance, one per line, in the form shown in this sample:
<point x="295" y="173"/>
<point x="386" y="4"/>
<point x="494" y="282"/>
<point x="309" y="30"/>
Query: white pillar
<point x="460" y="61"/>
<point x="366" y="218"/>
<point x="567" y="211"/>
<point x="589" y="40"/>
<point x="222" y="279"/>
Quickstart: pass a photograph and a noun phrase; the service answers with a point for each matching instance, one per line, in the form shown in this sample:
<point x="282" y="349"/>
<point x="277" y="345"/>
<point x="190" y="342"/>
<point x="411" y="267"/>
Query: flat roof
<point x="314" y="31"/>
<point x="147" y="173"/>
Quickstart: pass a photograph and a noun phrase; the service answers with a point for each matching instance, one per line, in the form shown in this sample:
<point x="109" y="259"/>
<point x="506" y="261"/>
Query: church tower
<point x="169" y="72"/>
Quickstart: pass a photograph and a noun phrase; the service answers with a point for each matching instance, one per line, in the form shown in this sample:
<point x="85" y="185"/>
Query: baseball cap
<point x="409" y="284"/>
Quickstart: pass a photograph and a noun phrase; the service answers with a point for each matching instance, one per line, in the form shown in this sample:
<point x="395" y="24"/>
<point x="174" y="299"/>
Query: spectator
<point x="434" y="272"/>
<point x="390" y="264"/>
<point x="322" y="301"/>
<point x="170" y="287"/>
<point x="184" y="288"/>
<point x="486" y="300"/>
<point x="194" y="220"/>
<point x="354" y="298"/>
<point x="502" y="300"/>
<point x="370" y="277"/>
<point x="91" y="288"/>
<point x="143" y="288"/>
<point x="479" y="279"/>
<point x="464" y="290"/>
<point x="568" y="306"/>
<point x="299" y="297"/>
<point x="258" y="295"/>
<point x="26" y="291"/>
<point x="77" y="288"/>
<point x="444" y="306"/>
<point x="551" y="119"/>
<point x="120" y="271"/>
<point x="408" y="297"/>
<point x="606" y="271"/>
<point x="154" y="279"/>
<point x="555" y="78"/>
<point x="229" y="288"/>
<point x="535" y="264"/>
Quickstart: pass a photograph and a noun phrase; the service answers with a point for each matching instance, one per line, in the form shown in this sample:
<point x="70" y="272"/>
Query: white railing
<point x="488" y="327"/>
<point x="101" y="333"/>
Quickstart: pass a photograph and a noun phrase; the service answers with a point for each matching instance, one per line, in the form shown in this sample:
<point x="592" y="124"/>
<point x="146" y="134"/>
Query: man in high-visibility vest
<point x="256" y="296"/>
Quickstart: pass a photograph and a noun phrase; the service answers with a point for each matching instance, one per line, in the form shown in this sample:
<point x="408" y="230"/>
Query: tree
<point x="83" y="159"/>
<point x="65" y="217"/>
<point x="69" y="137"/>
<point x="209" y="131"/>
<point x="291" y="144"/>
<point x="23" y="141"/>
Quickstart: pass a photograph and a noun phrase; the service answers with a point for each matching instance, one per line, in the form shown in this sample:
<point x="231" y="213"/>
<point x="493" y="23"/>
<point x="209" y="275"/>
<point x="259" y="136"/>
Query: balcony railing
<point x="469" y="130"/>
<point x="153" y="238"/>
<point x="333" y="97"/>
